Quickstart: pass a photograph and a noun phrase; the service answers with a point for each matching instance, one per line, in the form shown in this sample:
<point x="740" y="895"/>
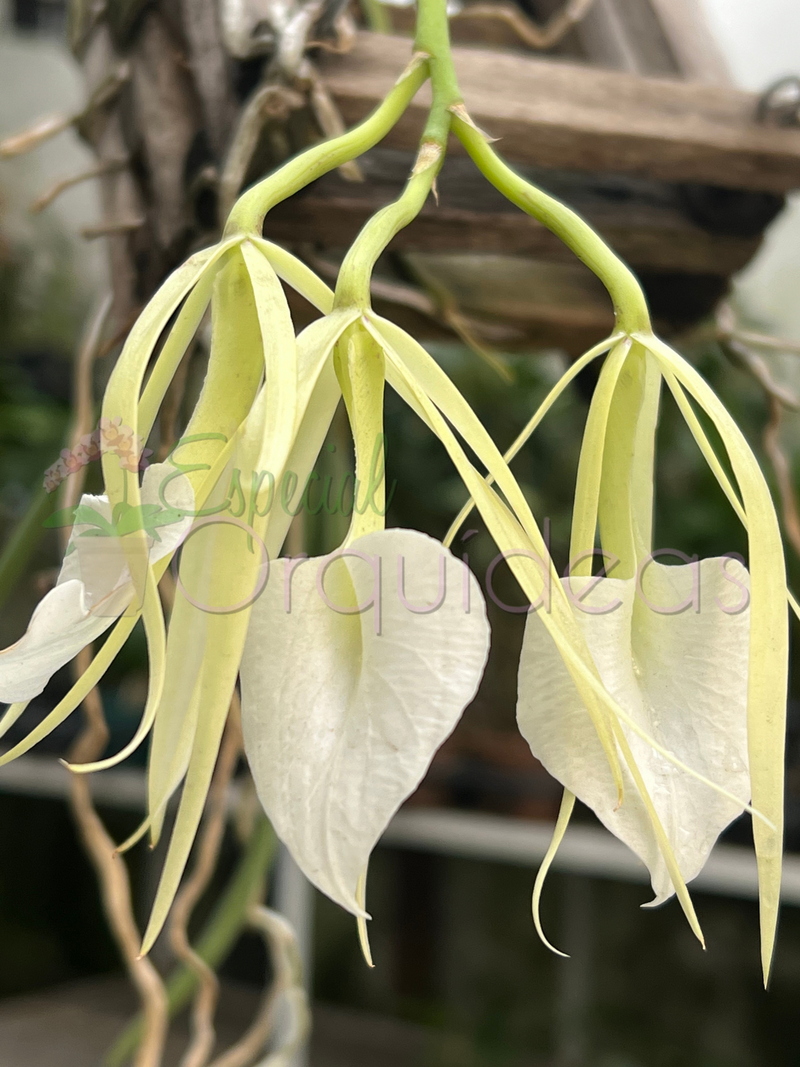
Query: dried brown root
<point x="529" y="32"/>
<point x="111" y="871"/>
<point x="205" y="1001"/>
<point x="114" y="883"/>
<point x="287" y="987"/>
<point x="106" y="167"/>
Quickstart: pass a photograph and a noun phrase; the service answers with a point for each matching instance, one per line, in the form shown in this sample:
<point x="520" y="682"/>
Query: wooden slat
<point x="555" y="114"/>
<point x="643" y="221"/>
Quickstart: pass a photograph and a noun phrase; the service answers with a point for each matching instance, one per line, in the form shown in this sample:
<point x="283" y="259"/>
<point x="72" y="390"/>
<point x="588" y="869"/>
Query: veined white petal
<point x="343" y="712"/>
<point x="681" y="675"/>
<point x="60" y="627"/>
<point x="93" y="589"/>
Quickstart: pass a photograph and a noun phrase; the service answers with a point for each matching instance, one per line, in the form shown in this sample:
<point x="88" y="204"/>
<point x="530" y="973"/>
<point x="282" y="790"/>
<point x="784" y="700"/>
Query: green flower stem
<point x="217" y="939"/>
<point x="433" y="39"/>
<point x="247" y="216"/>
<point x="630" y="305"/>
<point x="353" y="284"/>
<point x="23" y="542"/>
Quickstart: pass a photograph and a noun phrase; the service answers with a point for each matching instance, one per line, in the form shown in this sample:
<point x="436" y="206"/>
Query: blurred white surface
<point x="38" y="77"/>
<point x="761" y="43"/>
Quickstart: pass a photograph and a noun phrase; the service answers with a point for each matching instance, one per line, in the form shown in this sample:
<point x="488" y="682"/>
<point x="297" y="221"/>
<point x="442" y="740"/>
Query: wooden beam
<point x="561" y="115"/>
<point x="643" y="221"/>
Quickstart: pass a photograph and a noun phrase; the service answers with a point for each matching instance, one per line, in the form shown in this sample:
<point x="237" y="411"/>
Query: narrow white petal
<point x="682" y="677"/>
<point x="60" y="627"/>
<point x="92" y="591"/>
<point x="342" y="713"/>
<point x="162" y="486"/>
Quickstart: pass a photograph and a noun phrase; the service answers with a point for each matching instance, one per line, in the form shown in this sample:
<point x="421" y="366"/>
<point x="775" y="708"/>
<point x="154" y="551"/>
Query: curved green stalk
<point x="247" y="216"/>
<point x="23" y="542"/>
<point x="353" y="285"/>
<point x="630" y="305"/>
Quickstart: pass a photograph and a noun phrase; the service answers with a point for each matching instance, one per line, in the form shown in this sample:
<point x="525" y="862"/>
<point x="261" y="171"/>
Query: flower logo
<point x="109" y="436"/>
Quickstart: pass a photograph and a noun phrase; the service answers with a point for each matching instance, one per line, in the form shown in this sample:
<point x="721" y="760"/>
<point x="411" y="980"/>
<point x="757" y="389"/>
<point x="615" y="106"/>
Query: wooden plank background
<point x="549" y="113"/>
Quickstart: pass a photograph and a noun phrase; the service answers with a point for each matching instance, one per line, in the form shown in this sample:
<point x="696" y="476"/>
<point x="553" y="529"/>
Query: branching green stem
<point x="433" y="39"/>
<point x="353" y="285"/>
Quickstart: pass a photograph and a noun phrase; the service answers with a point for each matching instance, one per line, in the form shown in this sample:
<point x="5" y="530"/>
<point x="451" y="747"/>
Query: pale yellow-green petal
<point x="625" y="507"/>
<point x="217" y="684"/>
<point x="280" y="360"/>
<point x="125" y="384"/>
<point x="175" y="346"/>
<point x="506" y="532"/>
<point x="562" y="822"/>
<point x="433" y="391"/>
<point x="361" y="921"/>
<point x="234" y="575"/>
<point x="561" y="385"/>
<point x="768" y="660"/>
<point x="301" y="277"/>
<point x="590" y="465"/>
<point x="11" y="715"/>
<point x="121" y="401"/>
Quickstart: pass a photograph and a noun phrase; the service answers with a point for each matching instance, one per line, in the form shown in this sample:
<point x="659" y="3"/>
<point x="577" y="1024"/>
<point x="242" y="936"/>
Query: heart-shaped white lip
<point x="681" y="675"/>
<point x="357" y="667"/>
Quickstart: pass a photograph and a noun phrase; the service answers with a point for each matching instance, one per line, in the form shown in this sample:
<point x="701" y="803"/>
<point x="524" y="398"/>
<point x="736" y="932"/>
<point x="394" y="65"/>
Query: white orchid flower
<point x="94" y="588"/>
<point x="357" y="667"/>
<point x="354" y="667"/>
<point x="691" y="659"/>
<point x="386" y="684"/>
<point x="679" y="672"/>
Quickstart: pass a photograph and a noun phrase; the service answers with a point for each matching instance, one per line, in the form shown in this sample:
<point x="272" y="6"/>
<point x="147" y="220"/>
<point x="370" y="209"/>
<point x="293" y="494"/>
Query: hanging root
<point x="530" y="33"/>
<point x="114" y="883"/>
<point x="286" y="986"/>
<point x="205" y="1002"/>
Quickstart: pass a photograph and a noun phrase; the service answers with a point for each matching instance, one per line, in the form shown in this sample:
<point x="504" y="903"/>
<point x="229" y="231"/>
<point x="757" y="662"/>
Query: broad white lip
<point x="681" y="677"/>
<point x="343" y="711"/>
